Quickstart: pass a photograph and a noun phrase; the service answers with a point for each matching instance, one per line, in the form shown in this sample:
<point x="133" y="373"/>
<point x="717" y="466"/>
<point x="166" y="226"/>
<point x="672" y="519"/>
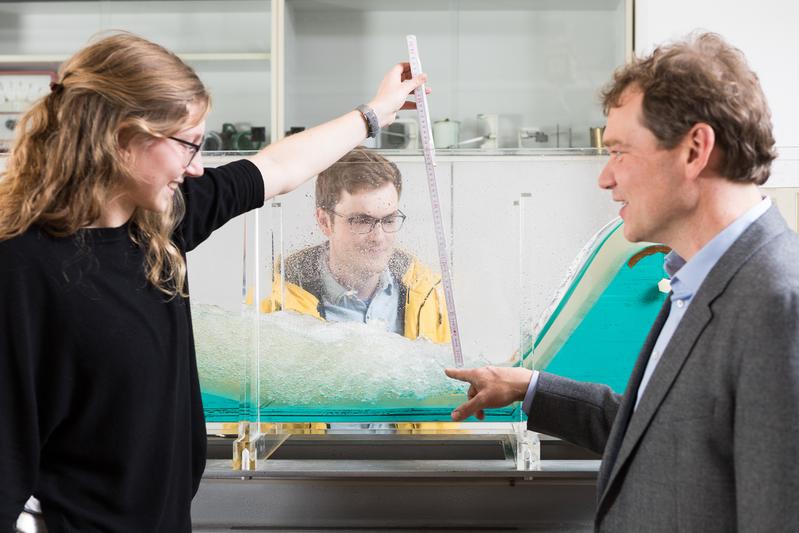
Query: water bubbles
<point x="305" y="361"/>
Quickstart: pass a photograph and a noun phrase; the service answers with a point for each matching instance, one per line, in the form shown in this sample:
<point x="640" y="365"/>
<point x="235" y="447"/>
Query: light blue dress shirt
<point x="686" y="279"/>
<point x="344" y="305"/>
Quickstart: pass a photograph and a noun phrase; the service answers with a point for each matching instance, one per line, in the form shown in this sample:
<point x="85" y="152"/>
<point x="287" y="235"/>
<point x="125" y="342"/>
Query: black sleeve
<point x="217" y="196"/>
<point x="21" y="337"/>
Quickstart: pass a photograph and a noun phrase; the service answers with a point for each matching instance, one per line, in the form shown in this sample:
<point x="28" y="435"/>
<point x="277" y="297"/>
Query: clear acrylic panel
<point x="541" y="279"/>
<point x="381" y="363"/>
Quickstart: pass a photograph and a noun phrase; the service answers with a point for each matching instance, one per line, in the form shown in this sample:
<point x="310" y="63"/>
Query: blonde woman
<point x="103" y="195"/>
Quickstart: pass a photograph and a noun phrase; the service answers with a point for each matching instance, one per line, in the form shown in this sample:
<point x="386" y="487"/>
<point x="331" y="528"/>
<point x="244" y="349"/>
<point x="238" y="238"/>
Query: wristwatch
<point x="372" y="125"/>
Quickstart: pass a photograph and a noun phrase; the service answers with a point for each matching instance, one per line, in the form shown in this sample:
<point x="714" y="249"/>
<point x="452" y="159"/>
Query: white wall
<point x="766" y="31"/>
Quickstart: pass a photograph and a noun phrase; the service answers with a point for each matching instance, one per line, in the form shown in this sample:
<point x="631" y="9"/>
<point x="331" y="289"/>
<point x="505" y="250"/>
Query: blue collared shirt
<point x="686" y="278"/>
<point x="344" y="305"/>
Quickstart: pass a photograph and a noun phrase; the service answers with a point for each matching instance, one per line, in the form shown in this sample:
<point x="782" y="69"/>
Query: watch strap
<point x="369" y="116"/>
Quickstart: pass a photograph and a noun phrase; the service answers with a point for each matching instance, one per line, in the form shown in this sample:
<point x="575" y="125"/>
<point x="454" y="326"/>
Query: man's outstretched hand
<point x="490" y="387"/>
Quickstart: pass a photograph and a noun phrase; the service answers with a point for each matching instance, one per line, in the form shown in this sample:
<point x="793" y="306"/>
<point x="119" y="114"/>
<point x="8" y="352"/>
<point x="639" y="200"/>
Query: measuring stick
<point x="438" y="223"/>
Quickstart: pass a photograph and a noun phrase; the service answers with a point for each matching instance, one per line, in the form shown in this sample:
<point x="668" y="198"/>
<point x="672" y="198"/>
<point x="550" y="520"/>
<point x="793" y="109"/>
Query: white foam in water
<point x="308" y="362"/>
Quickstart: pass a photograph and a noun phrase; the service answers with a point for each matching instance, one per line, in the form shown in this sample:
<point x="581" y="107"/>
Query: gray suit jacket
<point x="714" y="443"/>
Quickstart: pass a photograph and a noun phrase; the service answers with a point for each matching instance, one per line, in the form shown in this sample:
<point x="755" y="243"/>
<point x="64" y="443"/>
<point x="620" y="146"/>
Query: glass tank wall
<point x="262" y="284"/>
<point x="331" y="317"/>
<point x="341" y="318"/>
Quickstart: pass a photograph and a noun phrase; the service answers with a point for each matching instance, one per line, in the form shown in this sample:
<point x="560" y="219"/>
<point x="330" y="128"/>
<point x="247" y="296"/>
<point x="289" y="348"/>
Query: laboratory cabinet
<point x="506" y="74"/>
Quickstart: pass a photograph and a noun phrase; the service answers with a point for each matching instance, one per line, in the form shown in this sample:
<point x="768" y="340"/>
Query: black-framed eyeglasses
<point x="190" y="148"/>
<point x="363" y="224"/>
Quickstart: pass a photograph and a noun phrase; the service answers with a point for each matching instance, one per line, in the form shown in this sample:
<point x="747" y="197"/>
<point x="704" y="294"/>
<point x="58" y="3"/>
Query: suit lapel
<point x="669" y="366"/>
<point x="629" y="428"/>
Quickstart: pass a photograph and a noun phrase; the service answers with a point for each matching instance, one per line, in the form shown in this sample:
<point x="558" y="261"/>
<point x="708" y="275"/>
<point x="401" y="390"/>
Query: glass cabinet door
<point x="227" y="43"/>
<point x="505" y="74"/>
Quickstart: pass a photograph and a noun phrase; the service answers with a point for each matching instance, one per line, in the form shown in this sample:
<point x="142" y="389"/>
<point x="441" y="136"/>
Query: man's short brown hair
<point x="703" y="80"/>
<point x="361" y="169"/>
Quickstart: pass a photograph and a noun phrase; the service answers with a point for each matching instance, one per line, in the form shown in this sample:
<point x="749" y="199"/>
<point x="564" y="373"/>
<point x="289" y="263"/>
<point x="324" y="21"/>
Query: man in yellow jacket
<point x="358" y="274"/>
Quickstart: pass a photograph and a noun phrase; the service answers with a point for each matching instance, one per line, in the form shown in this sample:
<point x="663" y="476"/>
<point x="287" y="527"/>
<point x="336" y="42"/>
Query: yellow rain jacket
<point x="421" y="297"/>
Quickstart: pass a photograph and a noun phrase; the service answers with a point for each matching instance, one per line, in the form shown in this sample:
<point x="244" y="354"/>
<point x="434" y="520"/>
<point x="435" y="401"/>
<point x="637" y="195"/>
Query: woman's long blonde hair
<point x="67" y="159"/>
